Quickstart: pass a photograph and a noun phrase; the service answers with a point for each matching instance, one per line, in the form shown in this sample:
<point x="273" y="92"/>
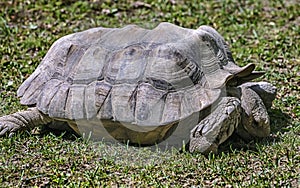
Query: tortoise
<point x="145" y="87"/>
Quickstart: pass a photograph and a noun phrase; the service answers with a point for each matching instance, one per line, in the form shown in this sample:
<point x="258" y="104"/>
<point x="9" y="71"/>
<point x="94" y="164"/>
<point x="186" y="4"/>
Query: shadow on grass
<point x="65" y="132"/>
<point x="280" y="123"/>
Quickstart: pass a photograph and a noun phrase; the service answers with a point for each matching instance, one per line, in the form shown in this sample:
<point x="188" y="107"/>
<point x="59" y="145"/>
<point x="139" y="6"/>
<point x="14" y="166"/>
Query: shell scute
<point x="149" y="105"/>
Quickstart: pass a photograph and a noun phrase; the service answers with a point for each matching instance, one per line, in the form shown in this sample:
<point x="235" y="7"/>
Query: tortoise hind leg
<point x="216" y="127"/>
<point x="26" y="119"/>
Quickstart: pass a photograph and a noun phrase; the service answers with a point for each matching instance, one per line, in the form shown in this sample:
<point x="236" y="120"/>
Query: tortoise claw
<point x="6" y="127"/>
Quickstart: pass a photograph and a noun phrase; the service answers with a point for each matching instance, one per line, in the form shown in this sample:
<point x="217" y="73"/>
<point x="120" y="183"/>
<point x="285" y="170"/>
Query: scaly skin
<point x="216" y="127"/>
<point x="256" y="99"/>
<point x="27" y="119"/>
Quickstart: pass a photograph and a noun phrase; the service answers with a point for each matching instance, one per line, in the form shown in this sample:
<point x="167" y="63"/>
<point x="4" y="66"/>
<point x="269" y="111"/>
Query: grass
<point x="260" y="32"/>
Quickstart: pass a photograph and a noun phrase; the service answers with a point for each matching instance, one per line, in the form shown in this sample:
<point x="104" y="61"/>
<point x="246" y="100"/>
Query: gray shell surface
<point x="133" y="75"/>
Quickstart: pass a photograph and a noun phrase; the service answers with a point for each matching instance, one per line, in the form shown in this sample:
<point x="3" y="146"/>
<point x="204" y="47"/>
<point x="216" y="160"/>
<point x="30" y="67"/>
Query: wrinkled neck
<point x="233" y="92"/>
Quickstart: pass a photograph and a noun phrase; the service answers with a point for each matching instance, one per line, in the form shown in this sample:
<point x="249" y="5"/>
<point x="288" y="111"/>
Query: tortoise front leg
<point x="216" y="127"/>
<point x="26" y="119"/>
<point x="256" y="98"/>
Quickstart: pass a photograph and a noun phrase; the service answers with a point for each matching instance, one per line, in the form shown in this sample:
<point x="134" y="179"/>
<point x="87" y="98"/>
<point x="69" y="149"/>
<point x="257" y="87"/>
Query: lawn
<point x="266" y="33"/>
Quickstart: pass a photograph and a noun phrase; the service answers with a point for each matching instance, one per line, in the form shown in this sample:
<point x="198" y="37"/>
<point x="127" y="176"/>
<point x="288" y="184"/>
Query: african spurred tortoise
<point x="140" y="86"/>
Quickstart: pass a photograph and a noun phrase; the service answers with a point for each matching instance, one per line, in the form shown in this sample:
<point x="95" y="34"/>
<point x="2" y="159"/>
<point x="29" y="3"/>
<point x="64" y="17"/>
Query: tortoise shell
<point x="133" y="76"/>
